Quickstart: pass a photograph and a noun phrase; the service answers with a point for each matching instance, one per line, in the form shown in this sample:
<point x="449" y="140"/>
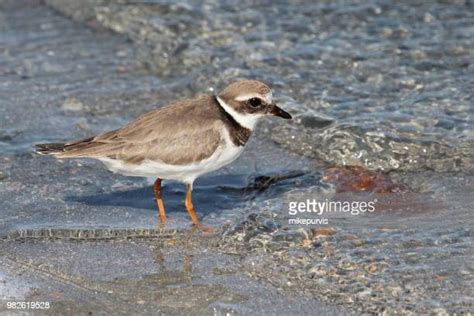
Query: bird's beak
<point x="275" y="110"/>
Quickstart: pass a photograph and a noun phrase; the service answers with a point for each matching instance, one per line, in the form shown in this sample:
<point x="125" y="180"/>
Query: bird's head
<point x="248" y="100"/>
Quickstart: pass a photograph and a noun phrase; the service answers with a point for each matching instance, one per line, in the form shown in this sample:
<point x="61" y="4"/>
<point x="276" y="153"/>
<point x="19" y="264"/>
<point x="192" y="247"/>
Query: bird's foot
<point x="206" y="230"/>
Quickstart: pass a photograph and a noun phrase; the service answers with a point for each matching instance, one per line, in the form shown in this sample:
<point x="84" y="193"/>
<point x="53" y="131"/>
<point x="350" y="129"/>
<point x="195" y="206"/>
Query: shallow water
<point x="414" y="250"/>
<point x="383" y="85"/>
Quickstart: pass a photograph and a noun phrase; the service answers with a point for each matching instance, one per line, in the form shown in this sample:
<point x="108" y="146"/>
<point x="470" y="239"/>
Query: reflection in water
<point x="173" y="288"/>
<point x="152" y="276"/>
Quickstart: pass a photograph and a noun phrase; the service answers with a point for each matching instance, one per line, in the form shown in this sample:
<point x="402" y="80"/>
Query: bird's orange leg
<point x="159" y="200"/>
<point x="189" y="206"/>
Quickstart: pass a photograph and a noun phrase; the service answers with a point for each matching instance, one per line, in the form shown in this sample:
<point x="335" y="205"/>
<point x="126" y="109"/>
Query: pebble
<point x="372" y="268"/>
<point x="357" y="242"/>
<point x="72" y="104"/>
<point x="294" y="236"/>
<point x="323" y="231"/>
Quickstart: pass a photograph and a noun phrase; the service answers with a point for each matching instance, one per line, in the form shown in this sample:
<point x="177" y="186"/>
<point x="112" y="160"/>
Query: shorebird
<point x="180" y="141"/>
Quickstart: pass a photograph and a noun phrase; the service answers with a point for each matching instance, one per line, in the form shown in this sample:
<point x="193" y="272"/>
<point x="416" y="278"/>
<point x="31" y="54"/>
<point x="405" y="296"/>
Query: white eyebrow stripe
<point x="245" y="97"/>
<point x="267" y="97"/>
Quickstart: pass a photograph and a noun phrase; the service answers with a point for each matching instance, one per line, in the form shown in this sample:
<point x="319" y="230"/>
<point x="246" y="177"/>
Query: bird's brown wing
<point x="179" y="133"/>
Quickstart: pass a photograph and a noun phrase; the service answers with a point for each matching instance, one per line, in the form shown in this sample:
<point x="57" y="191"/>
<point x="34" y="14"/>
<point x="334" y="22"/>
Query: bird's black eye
<point x="255" y="102"/>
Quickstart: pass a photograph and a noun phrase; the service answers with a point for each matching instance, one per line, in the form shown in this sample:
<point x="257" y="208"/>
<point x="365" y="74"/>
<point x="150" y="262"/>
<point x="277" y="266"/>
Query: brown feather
<point x="167" y="134"/>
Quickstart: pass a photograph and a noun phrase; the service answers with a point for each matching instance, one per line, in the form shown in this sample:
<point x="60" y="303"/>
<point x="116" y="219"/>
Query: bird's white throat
<point x="246" y="120"/>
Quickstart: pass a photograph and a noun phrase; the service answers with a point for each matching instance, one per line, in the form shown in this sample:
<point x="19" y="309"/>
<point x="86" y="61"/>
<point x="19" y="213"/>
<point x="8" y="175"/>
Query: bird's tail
<point x="80" y="148"/>
<point x="50" y="149"/>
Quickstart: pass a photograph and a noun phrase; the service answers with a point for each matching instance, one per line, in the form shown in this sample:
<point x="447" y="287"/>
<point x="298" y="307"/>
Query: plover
<point x="180" y="141"/>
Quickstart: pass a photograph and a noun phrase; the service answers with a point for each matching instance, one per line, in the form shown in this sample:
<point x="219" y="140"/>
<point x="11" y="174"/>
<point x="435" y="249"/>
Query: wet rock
<point x="347" y="265"/>
<point x="315" y="121"/>
<point x="253" y="225"/>
<point x="429" y="66"/>
<point x="263" y="182"/>
<point x="354" y="178"/>
<point x="268" y="225"/>
<point x="7" y="135"/>
<point x="292" y="236"/>
<point x="373" y="268"/>
<point x="306" y="243"/>
<point x="259" y="241"/>
<point x="323" y="231"/>
<point x="446" y="124"/>
<point x="357" y="242"/>
<point x="3" y="175"/>
<point x="412" y="244"/>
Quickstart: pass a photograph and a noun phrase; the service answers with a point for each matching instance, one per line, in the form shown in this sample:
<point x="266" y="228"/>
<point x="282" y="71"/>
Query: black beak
<point x="275" y="110"/>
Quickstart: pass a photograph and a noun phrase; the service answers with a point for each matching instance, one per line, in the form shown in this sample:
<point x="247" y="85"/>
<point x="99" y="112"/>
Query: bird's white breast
<point x="225" y="153"/>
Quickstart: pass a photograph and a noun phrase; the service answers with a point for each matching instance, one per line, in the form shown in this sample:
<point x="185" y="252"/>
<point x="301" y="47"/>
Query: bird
<point x="180" y="141"/>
